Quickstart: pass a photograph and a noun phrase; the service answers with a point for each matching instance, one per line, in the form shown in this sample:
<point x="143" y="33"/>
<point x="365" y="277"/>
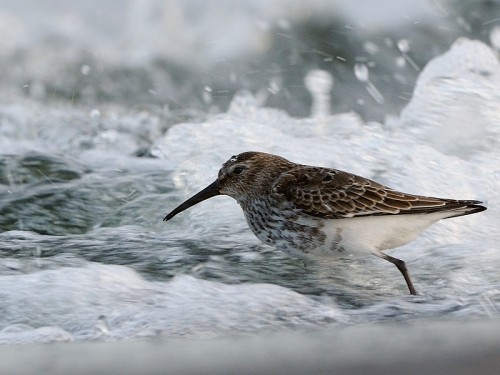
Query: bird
<point x="316" y="212"/>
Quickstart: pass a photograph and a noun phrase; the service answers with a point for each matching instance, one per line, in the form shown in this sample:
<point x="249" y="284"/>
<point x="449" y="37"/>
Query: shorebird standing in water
<point x="314" y="212"/>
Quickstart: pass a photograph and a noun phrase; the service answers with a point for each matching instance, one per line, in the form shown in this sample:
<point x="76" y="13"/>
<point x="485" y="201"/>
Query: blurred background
<point x="194" y="55"/>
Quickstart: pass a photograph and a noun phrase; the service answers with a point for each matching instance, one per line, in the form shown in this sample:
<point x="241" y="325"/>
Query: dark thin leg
<point x="401" y="267"/>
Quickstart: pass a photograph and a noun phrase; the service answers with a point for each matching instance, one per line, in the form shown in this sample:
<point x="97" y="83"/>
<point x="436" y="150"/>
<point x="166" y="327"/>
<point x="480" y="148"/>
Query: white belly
<point x="372" y="233"/>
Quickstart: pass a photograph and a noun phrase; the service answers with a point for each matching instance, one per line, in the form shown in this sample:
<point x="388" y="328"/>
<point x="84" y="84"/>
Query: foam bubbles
<point x="113" y="302"/>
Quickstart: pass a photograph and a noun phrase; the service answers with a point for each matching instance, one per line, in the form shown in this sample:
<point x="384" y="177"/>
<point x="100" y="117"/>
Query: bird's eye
<point x="238" y="170"/>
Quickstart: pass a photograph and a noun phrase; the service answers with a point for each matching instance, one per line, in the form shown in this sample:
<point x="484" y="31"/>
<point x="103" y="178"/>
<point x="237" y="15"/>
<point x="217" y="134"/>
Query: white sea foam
<point x="112" y="302"/>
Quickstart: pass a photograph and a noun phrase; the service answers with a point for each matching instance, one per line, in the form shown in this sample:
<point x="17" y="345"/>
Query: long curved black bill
<point x="210" y="191"/>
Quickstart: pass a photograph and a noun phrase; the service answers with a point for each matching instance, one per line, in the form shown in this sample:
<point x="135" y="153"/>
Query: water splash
<point x="319" y="83"/>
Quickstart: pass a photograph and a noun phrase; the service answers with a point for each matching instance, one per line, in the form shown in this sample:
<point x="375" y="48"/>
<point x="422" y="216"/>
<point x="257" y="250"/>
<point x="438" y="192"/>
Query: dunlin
<point x="314" y="212"/>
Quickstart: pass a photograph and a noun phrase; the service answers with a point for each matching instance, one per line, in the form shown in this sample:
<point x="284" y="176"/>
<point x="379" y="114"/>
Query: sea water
<point x="85" y="255"/>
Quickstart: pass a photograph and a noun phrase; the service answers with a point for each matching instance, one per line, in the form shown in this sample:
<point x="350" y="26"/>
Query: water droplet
<point x="85" y="69"/>
<point x="361" y="72"/>
<point x="318" y="81"/>
<point x="371" y="48"/>
<point x="207" y="94"/>
<point x="404" y="45"/>
<point x="400" y="61"/>
<point x="273" y="87"/>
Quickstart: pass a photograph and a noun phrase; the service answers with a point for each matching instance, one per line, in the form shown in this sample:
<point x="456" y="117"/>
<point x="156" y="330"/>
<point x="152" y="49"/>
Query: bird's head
<point x="242" y="177"/>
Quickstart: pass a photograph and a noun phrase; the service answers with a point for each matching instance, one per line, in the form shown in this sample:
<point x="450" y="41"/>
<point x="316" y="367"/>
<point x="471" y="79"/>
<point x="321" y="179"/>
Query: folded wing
<point x="334" y="194"/>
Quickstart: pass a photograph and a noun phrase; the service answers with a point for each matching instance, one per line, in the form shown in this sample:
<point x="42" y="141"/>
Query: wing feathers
<point x="334" y="194"/>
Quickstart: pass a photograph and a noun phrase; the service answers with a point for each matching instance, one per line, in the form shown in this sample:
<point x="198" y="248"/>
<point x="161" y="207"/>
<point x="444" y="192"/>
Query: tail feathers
<point x="462" y="208"/>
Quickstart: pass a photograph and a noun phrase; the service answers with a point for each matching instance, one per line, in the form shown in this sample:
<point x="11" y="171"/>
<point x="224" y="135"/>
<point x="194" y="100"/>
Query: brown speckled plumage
<point x="305" y="210"/>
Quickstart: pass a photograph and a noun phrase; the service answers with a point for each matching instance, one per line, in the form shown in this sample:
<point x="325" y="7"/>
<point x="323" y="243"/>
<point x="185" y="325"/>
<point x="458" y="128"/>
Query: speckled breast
<point x="287" y="229"/>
